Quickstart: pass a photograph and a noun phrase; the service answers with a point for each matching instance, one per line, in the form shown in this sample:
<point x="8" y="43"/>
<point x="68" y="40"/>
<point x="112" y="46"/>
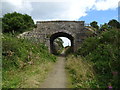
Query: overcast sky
<point x="87" y="10"/>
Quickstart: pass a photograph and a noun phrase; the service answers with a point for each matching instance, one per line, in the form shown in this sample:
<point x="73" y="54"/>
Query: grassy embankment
<point x="97" y="64"/>
<point x="80" y="72"/>
<point x="25" y="64"/>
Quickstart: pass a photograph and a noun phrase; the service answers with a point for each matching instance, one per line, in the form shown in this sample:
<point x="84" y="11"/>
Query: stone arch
<point x="61" y="34"/>
<point x="46" y="30"/>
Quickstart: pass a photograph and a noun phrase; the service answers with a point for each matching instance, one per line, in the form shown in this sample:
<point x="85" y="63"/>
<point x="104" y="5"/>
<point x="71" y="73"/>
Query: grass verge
<point x="25" y="64"/>
<point x="81" y="73"/>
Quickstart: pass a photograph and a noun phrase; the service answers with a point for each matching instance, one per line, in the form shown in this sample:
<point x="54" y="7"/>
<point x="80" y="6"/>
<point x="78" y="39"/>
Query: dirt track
<point x="56" y="78"/>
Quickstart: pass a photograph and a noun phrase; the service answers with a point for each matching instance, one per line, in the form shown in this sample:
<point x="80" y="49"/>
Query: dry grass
<point x="30" y="77"/>
<point x="37" y="77"/>
<point x="80" y="71"/>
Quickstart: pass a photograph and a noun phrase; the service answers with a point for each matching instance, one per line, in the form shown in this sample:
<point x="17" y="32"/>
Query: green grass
<point x="24" y="61"/>
<point x="81" y="73"/>
<point x="29" y="77"/>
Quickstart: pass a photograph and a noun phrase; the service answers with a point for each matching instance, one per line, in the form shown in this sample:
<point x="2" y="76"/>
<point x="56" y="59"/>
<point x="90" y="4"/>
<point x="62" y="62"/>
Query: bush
<point x="16" y="22"/>
<point x="88" y="46"/>
<point x="103" y="51"/>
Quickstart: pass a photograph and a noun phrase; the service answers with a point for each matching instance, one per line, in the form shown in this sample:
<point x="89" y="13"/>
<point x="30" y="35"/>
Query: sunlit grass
<point x="81" y="72"/>
<point x="25" y="64"/>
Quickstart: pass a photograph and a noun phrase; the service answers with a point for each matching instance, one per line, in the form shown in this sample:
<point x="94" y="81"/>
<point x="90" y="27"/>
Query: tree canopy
<point x="114" y="23"/>
<point x="94" y="24"/>
<point x="16" y="22"/>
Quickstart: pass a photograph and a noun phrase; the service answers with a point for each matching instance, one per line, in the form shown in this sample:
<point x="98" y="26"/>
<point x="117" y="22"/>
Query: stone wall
<point x="45" y="29"/>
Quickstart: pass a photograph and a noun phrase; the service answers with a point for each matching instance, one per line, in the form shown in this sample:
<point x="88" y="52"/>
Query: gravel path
<point x="56" y="78"/>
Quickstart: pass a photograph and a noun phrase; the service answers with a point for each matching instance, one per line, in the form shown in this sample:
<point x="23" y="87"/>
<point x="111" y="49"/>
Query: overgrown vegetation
<point x="94" y="25"/>
<point x="23" y="59"/>
<point x="58" y="46"/>
<point x="81" y="73"/>
<point x="68" y="50"/>
<point x="24" y="63"/>
<point x="102" y="51"/>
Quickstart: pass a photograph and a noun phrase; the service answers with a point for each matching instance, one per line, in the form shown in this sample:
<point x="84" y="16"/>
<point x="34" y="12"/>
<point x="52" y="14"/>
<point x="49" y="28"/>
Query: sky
<point x="72" y="10"/>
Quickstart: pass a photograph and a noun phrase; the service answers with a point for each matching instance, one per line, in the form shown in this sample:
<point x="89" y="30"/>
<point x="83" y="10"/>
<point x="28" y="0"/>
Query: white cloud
<point x="57" y="9"/>
<point x="78" y="9"/>
<point x="106" y="4"/>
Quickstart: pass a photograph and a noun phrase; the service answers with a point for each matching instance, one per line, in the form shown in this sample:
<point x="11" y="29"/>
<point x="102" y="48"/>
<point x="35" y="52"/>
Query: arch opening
<point x="66" y="41"/>
<point x="61" y="35"/>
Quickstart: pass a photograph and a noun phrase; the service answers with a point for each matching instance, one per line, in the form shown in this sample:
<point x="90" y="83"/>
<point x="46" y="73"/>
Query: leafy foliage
<point x="58" y="45"/>
<point x="103" y="51"/>
<point x="22" y="59"/>
<point x="16" y="22"/>
<point x="17" y="51"/>
<point x="94" y="24"/>
<point x="114" y="23"/>
<point x="104" y="27"/>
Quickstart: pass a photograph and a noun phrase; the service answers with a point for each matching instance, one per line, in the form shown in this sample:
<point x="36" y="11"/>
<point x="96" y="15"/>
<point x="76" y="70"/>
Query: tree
<point x="104" y="27"/>
<point x="16" y="22"/>
<point x="94" y="25"/>
<point x="58" y="45"/>
<point x="114" y="23"/>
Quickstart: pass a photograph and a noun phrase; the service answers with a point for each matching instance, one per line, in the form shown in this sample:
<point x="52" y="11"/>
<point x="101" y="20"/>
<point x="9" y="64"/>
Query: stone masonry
<point x="47" y="31"/>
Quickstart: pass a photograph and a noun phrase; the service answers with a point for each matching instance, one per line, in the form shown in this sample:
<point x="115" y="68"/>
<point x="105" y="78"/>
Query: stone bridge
<point x="47" y="31"/>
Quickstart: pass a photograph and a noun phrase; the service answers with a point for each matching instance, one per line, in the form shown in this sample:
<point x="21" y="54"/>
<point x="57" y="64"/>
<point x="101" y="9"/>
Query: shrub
<point x="16" y="22"/>
<point x="88" y="46"/>
<point x="103" y="51"/>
